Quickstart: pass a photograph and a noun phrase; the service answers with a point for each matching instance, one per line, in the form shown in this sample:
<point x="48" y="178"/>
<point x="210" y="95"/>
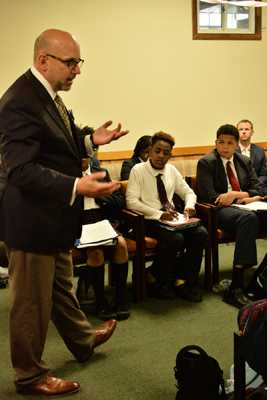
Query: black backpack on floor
<point x="199" y="376"/>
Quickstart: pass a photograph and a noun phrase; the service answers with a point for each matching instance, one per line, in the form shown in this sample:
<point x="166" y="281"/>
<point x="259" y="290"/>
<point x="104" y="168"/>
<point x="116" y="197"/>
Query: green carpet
<point x="137" y="362"/>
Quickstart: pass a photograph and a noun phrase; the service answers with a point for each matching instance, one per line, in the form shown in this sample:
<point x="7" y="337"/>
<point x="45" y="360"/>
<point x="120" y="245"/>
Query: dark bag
<point x="258" y="283"/>
<point x="198" y="375"/>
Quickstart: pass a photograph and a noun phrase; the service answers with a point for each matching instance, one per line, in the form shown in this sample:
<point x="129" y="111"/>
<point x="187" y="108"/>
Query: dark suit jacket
<point x="212" y="181"/>
<point x="127" y="165"/>
<point x="258" y="158"/>
<point x="40" y="162"/>
<point x="110" y="205"/>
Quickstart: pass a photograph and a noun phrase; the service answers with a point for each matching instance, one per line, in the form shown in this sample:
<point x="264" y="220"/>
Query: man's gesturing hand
<point x="104" y="136"/>
<point x="90" y="187"/>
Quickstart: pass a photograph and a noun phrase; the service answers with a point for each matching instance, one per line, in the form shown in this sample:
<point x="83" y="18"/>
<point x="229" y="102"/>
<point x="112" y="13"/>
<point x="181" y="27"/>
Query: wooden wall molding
<point x="183" y="153"/>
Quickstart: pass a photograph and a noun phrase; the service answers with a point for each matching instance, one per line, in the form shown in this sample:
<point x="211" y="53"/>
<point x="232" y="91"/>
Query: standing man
<point x="256" y="153"/>
<point x="150" y="190"/>
<point x="225" y="177"/>
<point x="41" y="194"/>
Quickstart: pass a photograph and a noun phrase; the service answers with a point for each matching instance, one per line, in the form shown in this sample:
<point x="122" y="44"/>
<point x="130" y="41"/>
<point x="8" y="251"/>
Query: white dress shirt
<point x="142" y="193"/>
<point x="245" y="150"/>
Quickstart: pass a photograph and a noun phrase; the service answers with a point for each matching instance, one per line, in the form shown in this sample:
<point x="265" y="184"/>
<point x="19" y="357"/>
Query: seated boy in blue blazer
<point x="225" y="177"/>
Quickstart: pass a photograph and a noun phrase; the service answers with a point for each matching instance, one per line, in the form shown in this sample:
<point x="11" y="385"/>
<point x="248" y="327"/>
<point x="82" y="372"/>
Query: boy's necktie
<point x="233" y="181"/>
<point x="166" y="205"/>
<point x="63" y="112"/>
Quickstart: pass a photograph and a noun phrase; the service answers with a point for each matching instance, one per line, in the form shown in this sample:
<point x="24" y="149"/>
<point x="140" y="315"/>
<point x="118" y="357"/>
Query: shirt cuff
<point x="89" y="145"/>
<point x="73" y="196"/>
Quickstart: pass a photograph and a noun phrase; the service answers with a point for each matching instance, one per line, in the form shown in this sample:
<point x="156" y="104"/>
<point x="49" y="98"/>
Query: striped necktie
<point x="63" y="112"/>
<point x="166" y="205"/>
<point x="233" y="181"/>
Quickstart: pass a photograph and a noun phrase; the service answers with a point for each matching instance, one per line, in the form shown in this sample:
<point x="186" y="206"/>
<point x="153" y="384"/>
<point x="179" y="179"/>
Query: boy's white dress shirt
<point x="142" y="193"/>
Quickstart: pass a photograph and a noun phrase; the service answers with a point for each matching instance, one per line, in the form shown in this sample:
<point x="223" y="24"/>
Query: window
<point x="225" y="21"/>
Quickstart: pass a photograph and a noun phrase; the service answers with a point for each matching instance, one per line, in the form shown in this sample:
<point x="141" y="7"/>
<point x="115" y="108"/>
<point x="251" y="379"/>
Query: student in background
<point x="225" y="177"/>
<point x="256" y="153"/>
<point x="141" y="154"/>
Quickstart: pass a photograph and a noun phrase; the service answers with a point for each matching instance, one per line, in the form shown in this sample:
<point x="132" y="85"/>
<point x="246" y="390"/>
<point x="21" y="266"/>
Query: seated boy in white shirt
<point x="143" y="195"/>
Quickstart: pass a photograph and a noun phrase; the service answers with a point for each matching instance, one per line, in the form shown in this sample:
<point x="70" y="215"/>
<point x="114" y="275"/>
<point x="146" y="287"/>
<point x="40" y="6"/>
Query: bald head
<point x="51" y="41"/>
<point x="52" y="51"/>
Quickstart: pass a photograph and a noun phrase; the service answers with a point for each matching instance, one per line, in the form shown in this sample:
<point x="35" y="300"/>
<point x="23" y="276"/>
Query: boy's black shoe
<point x="121" y="309"/>
<point x="3" y="283"/>
<point x="236" y="297"/>
<point x="187" y="293"/>
<point x="104" y="311"/>
<point x="161" y="291"/>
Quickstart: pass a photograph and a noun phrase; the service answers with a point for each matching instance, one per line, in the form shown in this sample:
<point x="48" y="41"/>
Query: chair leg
<point x="143" y="281"/>
<point x="136" y="282"/>
<point x="142" y="269"/>
<point x="208" y="276"/>
<point x="215" y="263"/>
<point x="239" y="369"/>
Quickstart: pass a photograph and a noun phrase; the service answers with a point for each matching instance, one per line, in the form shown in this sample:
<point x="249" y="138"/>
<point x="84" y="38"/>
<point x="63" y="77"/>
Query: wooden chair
<point x="138" y="225"/>
<point x="205" y="212"/>
<point x="148" y="246"/>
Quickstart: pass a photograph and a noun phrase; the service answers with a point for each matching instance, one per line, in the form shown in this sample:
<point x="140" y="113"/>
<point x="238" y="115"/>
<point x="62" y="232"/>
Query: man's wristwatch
<point x="95" y="147"/>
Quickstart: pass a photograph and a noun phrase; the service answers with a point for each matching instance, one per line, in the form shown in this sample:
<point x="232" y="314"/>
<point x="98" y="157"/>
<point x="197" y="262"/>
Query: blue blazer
<point x="258" y="158"/>
<point x="212" y="181"/>
<point x="127" y="166"/>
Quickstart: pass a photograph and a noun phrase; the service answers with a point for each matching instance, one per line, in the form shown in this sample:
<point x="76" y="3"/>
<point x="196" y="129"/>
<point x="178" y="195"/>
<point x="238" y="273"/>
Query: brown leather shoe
<point x="105" y="331"/>
<point x="52" y="386"/>
<point x="103" y="334"/>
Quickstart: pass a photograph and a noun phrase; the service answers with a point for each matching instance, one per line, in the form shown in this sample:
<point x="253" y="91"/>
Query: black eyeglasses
<point x="71" y="63"/>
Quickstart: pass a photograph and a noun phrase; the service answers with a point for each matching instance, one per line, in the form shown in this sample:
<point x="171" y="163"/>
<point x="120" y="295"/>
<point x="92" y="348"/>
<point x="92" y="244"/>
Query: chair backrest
<point x="114" y="170"/>
<point x="123" y="187"/>
<point x="191" y="180"/>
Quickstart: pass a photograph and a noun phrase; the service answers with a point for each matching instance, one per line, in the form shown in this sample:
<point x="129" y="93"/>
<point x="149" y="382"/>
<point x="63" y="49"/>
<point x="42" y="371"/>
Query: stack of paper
<point x="256" y="206"/>
<point x="97" y="234"/>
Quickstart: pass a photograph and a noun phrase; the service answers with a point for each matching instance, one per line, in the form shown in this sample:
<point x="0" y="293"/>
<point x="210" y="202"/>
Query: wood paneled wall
<point x="183" y="153"/>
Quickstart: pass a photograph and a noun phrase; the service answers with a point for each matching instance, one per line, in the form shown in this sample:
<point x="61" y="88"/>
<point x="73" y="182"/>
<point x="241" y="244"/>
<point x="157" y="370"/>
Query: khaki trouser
<point x="40" y="289"/>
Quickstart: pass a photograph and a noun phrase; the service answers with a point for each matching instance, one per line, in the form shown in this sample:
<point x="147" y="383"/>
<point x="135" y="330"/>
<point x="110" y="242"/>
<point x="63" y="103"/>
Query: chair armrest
<point x="137" y="221"/>
<point x="205" y="212"/>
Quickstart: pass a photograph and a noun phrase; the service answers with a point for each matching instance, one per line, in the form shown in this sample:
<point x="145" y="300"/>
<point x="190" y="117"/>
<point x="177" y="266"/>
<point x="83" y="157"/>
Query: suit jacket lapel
<point x="222" y="173"/>
<point x="240" y="173"/>
<point x="252" y="153"/>
<point x="52" y="110"/>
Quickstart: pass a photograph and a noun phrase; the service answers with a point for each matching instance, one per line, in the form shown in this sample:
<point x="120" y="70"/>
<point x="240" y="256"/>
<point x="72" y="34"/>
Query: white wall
<point x="142" y="67"/>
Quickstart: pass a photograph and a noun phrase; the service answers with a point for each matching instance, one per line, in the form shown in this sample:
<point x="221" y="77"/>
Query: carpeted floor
<point x="137" y="362"/>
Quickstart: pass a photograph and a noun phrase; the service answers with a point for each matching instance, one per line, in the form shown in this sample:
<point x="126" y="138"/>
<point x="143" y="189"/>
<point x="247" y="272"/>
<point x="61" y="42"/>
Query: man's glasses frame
<point x="71" y="63"/>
